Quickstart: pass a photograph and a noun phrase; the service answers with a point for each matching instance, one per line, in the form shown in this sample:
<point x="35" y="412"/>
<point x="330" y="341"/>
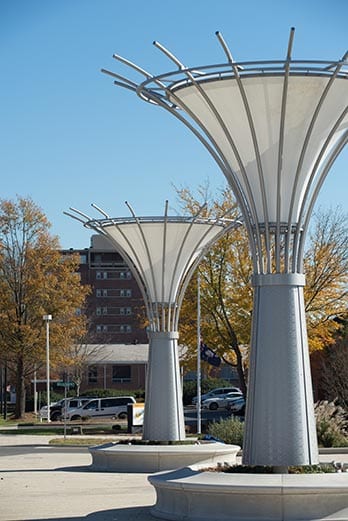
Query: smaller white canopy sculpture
<point x="162" y="253"/>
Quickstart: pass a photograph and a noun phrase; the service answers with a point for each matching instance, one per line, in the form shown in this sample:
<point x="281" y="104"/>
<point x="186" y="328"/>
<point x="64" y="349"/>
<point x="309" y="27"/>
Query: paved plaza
<point x="42" y="482"/>
<point x="39" y="481"/>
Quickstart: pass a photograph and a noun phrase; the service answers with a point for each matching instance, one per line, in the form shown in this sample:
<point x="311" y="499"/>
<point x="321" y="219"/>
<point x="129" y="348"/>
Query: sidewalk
<point x="40" y="482"/>
<point x="43" y="483"/>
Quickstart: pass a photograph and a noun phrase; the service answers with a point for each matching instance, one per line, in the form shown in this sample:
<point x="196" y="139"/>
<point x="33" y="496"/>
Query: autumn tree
<point x="77" y="356"/>
<point x="334" y="367"/>
<point x="226" y="292"/>
<point x="326" y="270"/>
<point x="34" y="280"/>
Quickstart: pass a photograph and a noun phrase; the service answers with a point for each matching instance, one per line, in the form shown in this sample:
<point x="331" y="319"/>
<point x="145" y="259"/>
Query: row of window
<point x="115" y="274"/>
<point x="113" y="328"/>
<point x="113" y="311"/>
<point x="120" y="373"/>
<point x="108" y="292"/>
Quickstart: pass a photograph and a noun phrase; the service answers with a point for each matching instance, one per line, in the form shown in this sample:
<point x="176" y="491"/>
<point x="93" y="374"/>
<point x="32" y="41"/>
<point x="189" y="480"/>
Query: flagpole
<point x="199" y="419"/>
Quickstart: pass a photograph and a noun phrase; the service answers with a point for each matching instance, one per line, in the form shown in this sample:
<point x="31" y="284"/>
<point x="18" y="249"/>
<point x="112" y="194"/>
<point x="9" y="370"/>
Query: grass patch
<point x="32" y="431"/>
<point x="81" y="442"/>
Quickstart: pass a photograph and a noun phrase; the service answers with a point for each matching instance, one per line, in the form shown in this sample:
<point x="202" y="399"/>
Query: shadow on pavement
<point x="118" y="514"/>
<point x="82" y="468"/>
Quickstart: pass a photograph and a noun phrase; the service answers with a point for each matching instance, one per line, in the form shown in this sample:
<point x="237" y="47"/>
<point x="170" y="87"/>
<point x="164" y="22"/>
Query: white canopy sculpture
<point x="162" y="253"/>
<point x="274" y="128"/>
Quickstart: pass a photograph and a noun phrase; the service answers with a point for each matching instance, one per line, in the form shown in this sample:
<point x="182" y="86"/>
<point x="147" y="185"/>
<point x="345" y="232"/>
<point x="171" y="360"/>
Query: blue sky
<point x="69" y="137"/>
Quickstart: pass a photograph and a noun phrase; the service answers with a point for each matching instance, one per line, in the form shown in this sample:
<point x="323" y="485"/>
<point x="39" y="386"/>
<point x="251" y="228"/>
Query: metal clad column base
<point x="164" y="413"/>
<point x="280" y="424"/>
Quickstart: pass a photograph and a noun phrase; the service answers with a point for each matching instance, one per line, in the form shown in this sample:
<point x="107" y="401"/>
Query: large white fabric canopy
<point x="290" y="154"/>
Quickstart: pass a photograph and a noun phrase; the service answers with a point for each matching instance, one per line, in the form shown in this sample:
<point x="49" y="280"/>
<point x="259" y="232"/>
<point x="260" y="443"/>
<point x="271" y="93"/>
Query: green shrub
<point x="230" y="430"/>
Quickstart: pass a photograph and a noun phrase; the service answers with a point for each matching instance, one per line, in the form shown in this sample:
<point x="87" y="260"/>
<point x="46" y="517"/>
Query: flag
<point x="209" y="356"/>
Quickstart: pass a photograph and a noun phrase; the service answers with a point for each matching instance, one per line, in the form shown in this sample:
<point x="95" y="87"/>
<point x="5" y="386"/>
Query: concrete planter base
<point x="187" y="494"/>
<point x="155" y="458"/>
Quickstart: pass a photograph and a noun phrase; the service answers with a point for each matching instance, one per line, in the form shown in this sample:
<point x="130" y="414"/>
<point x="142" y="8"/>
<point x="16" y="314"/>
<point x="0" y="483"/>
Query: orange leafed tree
<point x="226" y="292"/>
<point x="326" y="269"/>
<point x="34" y="280"/>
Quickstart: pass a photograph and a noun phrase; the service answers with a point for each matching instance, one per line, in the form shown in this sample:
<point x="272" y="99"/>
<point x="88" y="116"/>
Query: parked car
<point x="115" y="406"/>
<point x="57" y="409"/>
<point x="43" y="410"/>
<point x="220" y="402"/>
<point x="236" y="406"/>
<point x="218" y="392"/>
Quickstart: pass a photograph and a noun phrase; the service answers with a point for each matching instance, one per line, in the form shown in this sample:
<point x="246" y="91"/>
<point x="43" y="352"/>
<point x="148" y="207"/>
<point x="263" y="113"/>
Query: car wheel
<point x="123" y="415"/>
<point x="76" y="417"/>
<point x="55" y="416"/>
<point x="213" y="406"/>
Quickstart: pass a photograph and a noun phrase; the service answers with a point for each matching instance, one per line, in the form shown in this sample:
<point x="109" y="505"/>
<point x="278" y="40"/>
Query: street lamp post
<point x="47" y="319"/>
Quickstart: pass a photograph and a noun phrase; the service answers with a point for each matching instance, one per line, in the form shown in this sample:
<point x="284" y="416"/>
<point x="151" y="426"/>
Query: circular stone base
<point x="154" y="458"/>
<point x="187" y="494"/>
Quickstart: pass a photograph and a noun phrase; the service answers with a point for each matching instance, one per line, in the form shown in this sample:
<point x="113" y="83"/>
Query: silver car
<point x="221" y="402"/>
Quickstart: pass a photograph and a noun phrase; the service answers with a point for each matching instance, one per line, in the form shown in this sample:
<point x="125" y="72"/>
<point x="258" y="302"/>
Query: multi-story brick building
<point x="115" y="307"/>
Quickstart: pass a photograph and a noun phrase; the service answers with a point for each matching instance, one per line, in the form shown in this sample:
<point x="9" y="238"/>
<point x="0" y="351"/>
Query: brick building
<point x="115" y="307"/>
<point x="116" y="366"/>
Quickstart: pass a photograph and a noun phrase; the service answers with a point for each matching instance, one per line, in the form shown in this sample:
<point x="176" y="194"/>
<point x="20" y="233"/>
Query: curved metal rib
<point x="251" y="202"/>
<point x="301" y="160"/>
<point x="149" y="258"/>
<point x="339" y="147"/>
<point x="100" y="210"/>
<point x="280" y="152"/>
<point x="220" y="159"/>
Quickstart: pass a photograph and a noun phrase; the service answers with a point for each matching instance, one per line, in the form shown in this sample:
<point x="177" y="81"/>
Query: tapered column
<point x="164" y="413"/>
<point x="280" y="425"/>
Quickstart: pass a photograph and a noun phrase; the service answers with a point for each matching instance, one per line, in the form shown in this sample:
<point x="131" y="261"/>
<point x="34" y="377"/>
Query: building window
<point x="101" y="311"/>
<point x="125" y="292"/>
<point x="83" y="258"/>
<point x="125" y="275"/>
<point x="101" y="328"/>
<point x="126" y="311"/>
<point x="125" y="328"/>
<point x="101" y="292"/>
<point x="92" y="375"/>
<point x="121" y="373"/>
<point x="101" y="275"/>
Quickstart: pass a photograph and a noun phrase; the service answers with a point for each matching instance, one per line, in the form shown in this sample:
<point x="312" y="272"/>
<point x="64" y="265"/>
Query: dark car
<point x="236" y="406"/>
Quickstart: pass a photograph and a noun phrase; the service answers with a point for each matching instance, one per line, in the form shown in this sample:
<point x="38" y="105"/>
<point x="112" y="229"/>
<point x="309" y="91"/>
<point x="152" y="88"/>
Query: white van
<point x="115" y="406"/>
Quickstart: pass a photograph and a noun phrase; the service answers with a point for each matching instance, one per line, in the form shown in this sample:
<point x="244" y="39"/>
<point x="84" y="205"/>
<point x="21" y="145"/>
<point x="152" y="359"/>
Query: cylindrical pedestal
<point x="280" y="423"/>
<point x="164" y="413"/>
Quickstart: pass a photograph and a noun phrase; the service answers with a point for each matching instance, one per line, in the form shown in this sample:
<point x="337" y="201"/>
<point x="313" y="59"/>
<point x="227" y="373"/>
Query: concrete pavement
<point x="43" y="483"/>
